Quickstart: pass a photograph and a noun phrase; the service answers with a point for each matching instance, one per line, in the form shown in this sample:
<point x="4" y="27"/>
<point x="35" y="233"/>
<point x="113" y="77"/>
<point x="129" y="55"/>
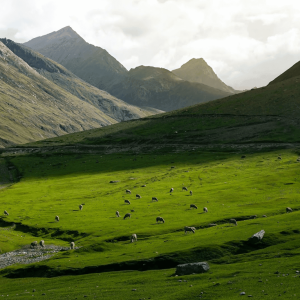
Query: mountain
<point x="40" y="98"/>
<point x="197" y="70"/>
<point x="92" y="64"/>
<point x="160" y="88"/>
<point x="290" y="73"/>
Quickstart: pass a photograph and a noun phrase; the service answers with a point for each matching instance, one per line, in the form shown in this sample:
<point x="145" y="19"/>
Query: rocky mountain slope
<point x="197" y="70"/>
<point x="40" y="98"/>
<point x="160" y="88"/>
<point x="92" y="64"/>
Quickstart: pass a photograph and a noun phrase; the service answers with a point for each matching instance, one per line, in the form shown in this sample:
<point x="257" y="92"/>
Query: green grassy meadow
<point x="108" y="266"/>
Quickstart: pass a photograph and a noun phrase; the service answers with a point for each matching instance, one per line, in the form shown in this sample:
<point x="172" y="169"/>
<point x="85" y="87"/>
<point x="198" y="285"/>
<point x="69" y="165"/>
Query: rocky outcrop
<point x="187" y="269"/>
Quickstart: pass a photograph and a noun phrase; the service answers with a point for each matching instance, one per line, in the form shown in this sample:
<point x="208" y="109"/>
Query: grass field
<point x="108" y="266"/>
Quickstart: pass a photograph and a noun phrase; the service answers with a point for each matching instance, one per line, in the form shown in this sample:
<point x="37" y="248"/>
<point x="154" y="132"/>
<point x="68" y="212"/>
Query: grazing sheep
<point x="138" y="196"/>
<point x="160" y="219"/>
<point x="171" y="190"/>
<point x="288" y="209"/>
<point x="191" y="193"/>
<point x="80" y="206"/>
<point x="42" y="243"/>
<point x="127" y="201"/>
<point x="205" y="209"/>
<point x="57" y="218"/>
<point x="72" y="245"/>
<point x="117" y="214"/>
<point x="128" y="192"/>
<point x="154" y="199"/>
<point x="192" y="229"/>
<point x="133" y="238"/>
<point x="127" y="216"/>
<point x="298" y="159"/>
<point x="233" y="221"/>
<point x="193" y="206"/>
<point x="6" y="213"/>
<point x="34" y="244"/>
<point x="184" y="188"/>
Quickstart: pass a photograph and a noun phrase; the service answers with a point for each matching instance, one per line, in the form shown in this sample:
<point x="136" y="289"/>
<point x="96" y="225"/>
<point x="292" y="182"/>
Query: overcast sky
<point x="247" y="42"/>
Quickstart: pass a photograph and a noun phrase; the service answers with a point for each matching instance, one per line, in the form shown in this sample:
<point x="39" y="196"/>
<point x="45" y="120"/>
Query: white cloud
<point x="247" y="43"/>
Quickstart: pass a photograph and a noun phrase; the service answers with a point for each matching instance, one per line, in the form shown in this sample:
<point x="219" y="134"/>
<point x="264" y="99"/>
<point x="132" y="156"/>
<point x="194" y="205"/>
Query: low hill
<point x="160" y="88"/>
<point x="92" y="64"/>
<point x="41" y="99"/>
<point x="293" y="71"/>
<point x="197" y="70"/>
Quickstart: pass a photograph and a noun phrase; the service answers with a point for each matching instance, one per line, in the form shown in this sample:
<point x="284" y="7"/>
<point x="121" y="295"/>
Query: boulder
<point x="257" y="237"/>
<point x="197" y="267"/>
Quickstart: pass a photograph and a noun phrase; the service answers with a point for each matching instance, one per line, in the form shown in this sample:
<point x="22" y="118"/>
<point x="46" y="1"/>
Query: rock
<point x="33" y="244"/>
<point x="257" y="237"/>
<point x="288" y="209"/>
<point x="114" y="181"/>
<point x="242" y="293"/>
<point x="197" y="267"/>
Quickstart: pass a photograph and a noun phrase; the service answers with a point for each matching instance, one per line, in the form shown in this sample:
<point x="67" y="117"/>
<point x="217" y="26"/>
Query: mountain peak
<point x="66" y="32"/>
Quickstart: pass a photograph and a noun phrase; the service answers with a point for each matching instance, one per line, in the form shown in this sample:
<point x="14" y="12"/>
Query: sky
<point x="248" y="43"/>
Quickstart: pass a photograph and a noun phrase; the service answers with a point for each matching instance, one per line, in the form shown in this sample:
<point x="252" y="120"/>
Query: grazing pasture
<point x="108" y="266"/>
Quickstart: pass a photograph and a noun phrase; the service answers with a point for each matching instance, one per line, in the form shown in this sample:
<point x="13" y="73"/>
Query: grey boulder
<point x="197" y="267"/>
<point x="257" y="237"/>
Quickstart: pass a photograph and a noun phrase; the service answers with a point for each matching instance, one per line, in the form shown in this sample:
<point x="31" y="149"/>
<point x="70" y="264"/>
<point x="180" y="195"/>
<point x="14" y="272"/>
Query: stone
<point x="242" y="293"/>
<point x="114" y="181"/>
<point x="257" y="237"/>
<point x="187" y="269"/>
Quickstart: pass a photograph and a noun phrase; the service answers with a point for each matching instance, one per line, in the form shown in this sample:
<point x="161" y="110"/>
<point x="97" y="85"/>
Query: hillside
<point x="34" y="107"/>
<point x="160" y="88"/>
<point x="197" y="70"/>
<point x="92" y="64"/>
<point x="293" y="71"/>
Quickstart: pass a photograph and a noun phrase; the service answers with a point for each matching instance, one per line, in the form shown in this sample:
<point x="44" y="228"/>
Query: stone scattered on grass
<point x="187" y="269"/>
<point x="257" y="237"/>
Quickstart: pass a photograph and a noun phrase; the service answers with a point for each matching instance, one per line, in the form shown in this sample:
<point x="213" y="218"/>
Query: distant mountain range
<point x="161" y="90"/>
<point x="40" y="98"/>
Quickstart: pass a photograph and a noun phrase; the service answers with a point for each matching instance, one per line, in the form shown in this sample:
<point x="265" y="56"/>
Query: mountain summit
<point x="197" y="70"/>
<point x="92" y="64"/>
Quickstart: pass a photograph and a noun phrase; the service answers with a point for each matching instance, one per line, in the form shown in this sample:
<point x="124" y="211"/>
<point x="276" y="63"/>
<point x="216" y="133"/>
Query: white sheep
<point x="34" y="244"/>
<point x="72" y="245"/>
<point x="288" y="209"/>
<point x="57" y="218"/>
<point x="205" y="209"/>
<point x="160" y="219"/>
<point x="193" y="206"/>
<point x="154" y="199"/>
<point x="133" y="238"/>
<point x="42" y="243"/>
<point x="138" y="196"/>
<point x="233" y="221"/>
<point x="128" y="191"/>
<point x="127" y="216"/>
<point x="184" y="188"/>
<point x="6" y="213"/>
<point x="192" y="229"/>
<point x="191" y="193"/>
<point x="171" y="190"/>
<point x="127" y="201"/>
<point x="117" y="214"/>
<point x="80" y="206"/>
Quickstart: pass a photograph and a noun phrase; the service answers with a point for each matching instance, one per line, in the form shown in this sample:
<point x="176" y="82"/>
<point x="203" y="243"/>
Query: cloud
<point x="247" y="43"/>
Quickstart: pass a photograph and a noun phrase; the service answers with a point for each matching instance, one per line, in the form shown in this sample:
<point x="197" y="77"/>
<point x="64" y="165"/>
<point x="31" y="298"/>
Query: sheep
<point x="117" y="214"/>
<point x="191" y="193"/>
<point x="127" y="201"/>
<point x="72" y="245"/>
<point x="193" y="206"/>
<point x="192" y="229"/>
<point x="133" y="238"/>
<point x="6" y="213"/>
<point x="138" y="196"/>
<point x="128" y="192"/>
<point x="42" y="243"/>
<point x="154" y="199"/>
<point x="184" y="188"/>
<point x="127" y="216"/>
<point x="33" y="244"/>
<point x="80" y="206"/>
<point x="160" y="219"/>
<point x="205" y="209"/>
<point x="233" y="221"/>
<point x="288" y="209"/>
<point x="171" y="190"/>
<point x="57" y="218"/>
